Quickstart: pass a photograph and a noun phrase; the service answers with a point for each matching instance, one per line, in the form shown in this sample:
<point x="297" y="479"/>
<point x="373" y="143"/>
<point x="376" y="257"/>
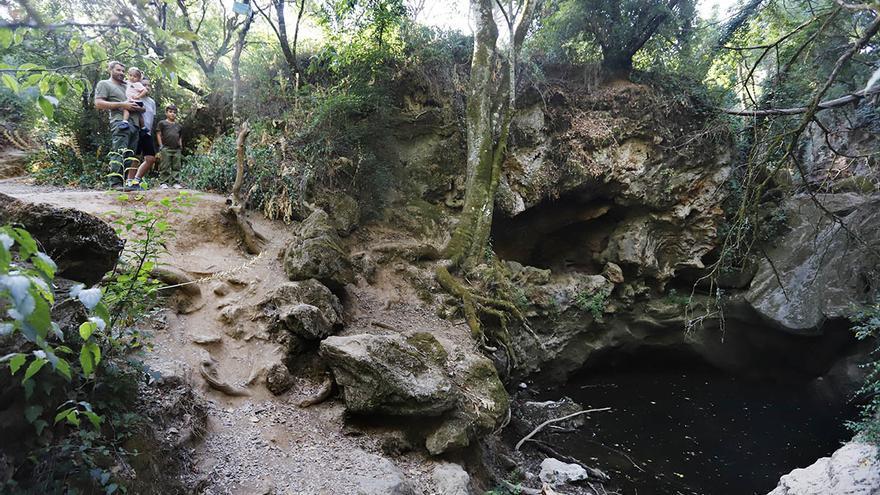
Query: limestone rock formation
<point x="344" y="211"/>
<point x="317" y="252"/>
<point x="301" y="312"/>
<point x="621" y="175"/>
<point x="83" y="246"/>
<point x="389" y="374"/>
<point x="853" y="469"/>
<point x="819" y="269"/>
<point x="413" y="375"/>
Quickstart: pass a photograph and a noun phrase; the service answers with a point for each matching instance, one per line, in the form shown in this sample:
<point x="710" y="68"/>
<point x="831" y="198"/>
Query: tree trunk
<point x="489" y="111"/>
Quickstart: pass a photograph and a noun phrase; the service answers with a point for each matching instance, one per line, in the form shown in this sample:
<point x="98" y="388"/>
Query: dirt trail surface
<point x="260" y="443"/>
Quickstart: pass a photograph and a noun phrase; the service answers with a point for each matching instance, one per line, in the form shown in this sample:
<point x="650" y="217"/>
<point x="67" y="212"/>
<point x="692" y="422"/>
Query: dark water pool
<point x="698" y="431"/>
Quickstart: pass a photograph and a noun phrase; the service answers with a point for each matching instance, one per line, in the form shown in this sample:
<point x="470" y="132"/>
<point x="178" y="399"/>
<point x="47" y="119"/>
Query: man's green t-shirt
<point x="114" y="93"/>
<point x="170" y="132"/>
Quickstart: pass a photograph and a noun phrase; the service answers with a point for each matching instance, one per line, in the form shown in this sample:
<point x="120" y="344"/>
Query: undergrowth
<point x="867" y="327"/>
<point x="79" y="375"/>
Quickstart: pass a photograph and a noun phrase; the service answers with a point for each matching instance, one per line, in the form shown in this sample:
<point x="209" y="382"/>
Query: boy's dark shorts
<point x="146" y="146"/>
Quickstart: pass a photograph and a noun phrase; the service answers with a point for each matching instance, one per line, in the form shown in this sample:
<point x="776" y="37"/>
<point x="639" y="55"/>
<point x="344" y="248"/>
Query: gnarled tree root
<point x="252" y="240"/>
<point x="323" y="393"/>
<point x="209" y="373"/>
<point x="475" y="304"/>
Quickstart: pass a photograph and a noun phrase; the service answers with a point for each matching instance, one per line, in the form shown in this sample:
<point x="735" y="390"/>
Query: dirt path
<point x="261" y="444"/>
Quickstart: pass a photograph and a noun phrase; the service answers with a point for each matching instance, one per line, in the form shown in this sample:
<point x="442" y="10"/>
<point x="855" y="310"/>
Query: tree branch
<point x="825" y="105"/>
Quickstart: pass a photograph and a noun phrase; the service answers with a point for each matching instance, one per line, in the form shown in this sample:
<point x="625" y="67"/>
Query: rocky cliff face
<point x="617" y="191"/>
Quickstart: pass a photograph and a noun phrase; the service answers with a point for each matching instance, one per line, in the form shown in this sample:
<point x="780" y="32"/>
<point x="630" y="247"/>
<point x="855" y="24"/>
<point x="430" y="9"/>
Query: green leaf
<point x="5" y="38"/>
<point x="61" y="415"/>
<point x="86" y="329"/>
<point x="10" y="82"/>
<point x="27" y="246"/>
<point x="31" y="413"/>
<point x="45" y="105"/>
<point x="44" y="85"/>
<point x="40" y="425"/>
<point x="86" y="361"/>
<point x="5" y="260"/>
<point x="61" y="88"/>
<point x="28" y="388"/>
<point x="73" y="44"/>
<point x="73" y="417"/>
<point x="63" y="367"/>
<point x="96" y="352"/>
<point x="41" y="318"/>
<point x="34" y="368"/>
<point x="18" y="36"/>
<point x="186" y="35"/>
<point x="103" y="313"/>
<point x="93" y="418"/>
<point x="16" y="362"/>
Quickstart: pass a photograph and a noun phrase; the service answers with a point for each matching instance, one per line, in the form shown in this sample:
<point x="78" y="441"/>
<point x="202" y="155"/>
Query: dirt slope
<point x="260" y="444"/>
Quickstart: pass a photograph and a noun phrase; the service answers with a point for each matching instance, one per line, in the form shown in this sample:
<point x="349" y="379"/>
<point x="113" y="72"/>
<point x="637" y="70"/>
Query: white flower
<point x="98" y="322"/>
<point x="90" y="297"/>
<point x="75" y="288"/>
<point x="6" y="241"/>
<point x="40" y="354"/>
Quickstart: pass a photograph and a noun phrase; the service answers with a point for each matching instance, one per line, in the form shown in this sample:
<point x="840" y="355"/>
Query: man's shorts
<point x="146" y="146"/>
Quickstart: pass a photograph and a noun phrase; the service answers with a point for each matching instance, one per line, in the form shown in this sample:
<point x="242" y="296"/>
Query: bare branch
<point x="825" y="105"/>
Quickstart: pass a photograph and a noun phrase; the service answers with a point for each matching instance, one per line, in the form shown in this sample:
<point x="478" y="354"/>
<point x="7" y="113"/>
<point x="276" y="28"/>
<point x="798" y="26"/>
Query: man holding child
<point x="110" y="95"/>
<point x="131" y="112"/>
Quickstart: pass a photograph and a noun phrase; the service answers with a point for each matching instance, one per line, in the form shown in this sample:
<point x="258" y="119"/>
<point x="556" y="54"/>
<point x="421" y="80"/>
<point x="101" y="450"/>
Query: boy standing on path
<point x="170" y="145"/>
<point x="110" y="96"/>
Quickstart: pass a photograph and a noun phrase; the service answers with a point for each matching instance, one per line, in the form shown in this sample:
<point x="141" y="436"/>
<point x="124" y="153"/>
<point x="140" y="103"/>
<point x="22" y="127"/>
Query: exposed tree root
<point x="209" y="373"/>
<point x="475" y="305"/>
<point x="252" y="240"/>
<point x="321" y="395"/>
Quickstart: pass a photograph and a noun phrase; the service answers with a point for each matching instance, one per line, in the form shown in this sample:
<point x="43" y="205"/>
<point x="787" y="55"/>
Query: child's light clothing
<point x="133" y="90"/>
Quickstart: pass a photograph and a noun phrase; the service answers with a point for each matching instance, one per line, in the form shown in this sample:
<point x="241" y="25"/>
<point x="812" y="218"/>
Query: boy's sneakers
<point x="177" y="186"/>
<point x="123" y="124"/>
<point x="163" y="186"/>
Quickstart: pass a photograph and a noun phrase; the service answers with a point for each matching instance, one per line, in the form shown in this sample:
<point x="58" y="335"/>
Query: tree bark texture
<point x="489" y="111"/>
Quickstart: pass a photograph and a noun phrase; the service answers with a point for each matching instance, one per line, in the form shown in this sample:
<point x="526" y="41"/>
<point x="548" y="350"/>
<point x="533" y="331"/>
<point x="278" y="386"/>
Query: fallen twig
<point x="551" y="421"/>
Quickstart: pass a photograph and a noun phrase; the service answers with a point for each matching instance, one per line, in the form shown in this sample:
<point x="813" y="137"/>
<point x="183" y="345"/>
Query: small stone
<point x="220" y="289"/>
<point x="206" y="339"/>
<point x="451" y="479"/>
<point x="523" y="386"/>
<point x="255" y="419"/>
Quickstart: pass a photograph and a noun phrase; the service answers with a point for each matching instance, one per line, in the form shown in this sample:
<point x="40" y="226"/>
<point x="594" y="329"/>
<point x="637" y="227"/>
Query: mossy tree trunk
<point x="489" y="111"/>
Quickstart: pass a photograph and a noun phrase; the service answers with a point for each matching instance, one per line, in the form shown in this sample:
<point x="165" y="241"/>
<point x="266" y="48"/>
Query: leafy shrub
<point x="79" y="383"/>
<point x="867" y="326"/>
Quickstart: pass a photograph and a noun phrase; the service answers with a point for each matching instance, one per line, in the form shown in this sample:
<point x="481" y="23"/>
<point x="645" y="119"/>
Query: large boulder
<point x="414" y="375"/>
<point x="819" y="269"/>
<point x="83" y="246"/>
<point x="390" y="374"/>
<point x="853" y="469"/>
<point x="306" y="309"/>
<point x="317" y="252"/>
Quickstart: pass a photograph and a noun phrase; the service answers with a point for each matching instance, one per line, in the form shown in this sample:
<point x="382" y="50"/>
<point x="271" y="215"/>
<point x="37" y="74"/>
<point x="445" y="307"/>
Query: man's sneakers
<point x="123" y="125"/>
<point x="177" y="186"/>
<point x="134" y="185"/>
